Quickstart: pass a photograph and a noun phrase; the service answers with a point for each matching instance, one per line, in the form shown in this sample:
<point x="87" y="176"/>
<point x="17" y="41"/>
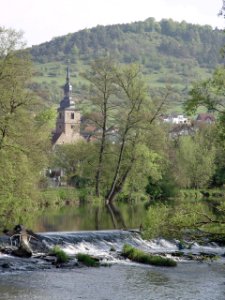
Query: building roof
<point x="205" y="117"/>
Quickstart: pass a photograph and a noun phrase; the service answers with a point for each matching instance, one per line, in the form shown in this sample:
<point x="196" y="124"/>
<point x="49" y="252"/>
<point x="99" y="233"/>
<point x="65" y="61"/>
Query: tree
<point x="209" y="94"/>
<point x="133" y="108"/>
<point x="121" y="116"/>
<point x="103" y="89"/>
<point x="22" y="145"/>
<point x="195" y="161"/>
<point x="77" y="160"/>
<point x="192" y="219"/>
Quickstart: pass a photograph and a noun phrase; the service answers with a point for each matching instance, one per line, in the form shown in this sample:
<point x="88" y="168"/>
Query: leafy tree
<point x="103" y="89"/>
<point x="209" y="94"/>
<point x="121" y="117"/>
<point x="195" y="161"/>
<point x="22" y="145"/>
<point x="77" y="160"/>
<point x="192" y="218"/>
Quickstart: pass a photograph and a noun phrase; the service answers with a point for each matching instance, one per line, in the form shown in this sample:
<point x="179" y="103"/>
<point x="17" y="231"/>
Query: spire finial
<point x="68" y="71"/>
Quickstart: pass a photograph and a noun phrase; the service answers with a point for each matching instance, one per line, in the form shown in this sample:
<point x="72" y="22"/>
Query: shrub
<point x="87" y="260"/>
<point x="145" y="258"/>
<point x="62" y="257"/>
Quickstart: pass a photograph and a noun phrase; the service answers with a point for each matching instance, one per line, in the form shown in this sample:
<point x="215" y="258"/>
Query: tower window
<point x="60" y="115"/>
<point x="72" y="116"/>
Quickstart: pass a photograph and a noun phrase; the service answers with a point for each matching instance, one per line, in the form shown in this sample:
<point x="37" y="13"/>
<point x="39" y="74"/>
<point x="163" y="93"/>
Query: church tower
<point x="68" y="118"/>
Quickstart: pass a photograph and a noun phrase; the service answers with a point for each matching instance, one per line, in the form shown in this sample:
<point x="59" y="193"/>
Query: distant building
<point x="68" y="119"/>
<point x="205" y="118"/>
<point x="175" y="119"/>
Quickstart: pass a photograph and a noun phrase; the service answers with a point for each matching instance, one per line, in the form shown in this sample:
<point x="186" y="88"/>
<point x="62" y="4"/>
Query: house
<point x="207" y="118"/>
<point x="175" y="119"/>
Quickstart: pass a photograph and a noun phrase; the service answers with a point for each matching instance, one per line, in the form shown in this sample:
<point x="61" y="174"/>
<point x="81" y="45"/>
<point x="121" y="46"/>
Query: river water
<point x="74" y="218"/>
<point x="188" y="281"/>
<point x="118" y="278"/>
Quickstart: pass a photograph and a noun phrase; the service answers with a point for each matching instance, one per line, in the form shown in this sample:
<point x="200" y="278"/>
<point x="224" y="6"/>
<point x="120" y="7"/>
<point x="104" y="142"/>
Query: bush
<point x="145" y="258"/>
<point x="62" y="257"/>
<point x="162" y="189"/>
<point x="87" y="260"/>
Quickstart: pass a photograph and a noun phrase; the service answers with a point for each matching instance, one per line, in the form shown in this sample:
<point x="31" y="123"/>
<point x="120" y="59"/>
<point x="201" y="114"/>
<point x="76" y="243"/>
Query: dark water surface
<point x="189" y="281"/>
<point x="90" y="217"/>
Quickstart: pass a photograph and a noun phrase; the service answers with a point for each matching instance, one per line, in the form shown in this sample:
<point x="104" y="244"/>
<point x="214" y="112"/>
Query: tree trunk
<point x="111" y="194"/>
<point x="101" y="154"/>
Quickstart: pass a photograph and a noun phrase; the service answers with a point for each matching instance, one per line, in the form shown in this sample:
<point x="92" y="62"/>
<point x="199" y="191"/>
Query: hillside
<point x="169" y="52"/>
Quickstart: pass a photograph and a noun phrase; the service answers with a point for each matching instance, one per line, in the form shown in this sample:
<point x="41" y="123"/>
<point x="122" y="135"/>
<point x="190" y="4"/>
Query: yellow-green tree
<point x="22" y="143"/>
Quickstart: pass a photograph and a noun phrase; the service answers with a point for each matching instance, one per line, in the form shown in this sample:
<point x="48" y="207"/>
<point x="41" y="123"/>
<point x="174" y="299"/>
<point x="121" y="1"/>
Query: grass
<point x="62" y="257"/>
<point x="145" y="258"/>
<point x="87" y="260"/>
<point x="59" y="196"/>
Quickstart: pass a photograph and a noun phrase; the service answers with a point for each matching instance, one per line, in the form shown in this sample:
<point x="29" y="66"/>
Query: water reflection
<point x="90" y="217"/>
<point x="116" y="216"/>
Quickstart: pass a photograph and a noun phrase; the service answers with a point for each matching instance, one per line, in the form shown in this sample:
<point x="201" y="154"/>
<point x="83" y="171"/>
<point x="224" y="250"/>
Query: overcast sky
<point x="41" y="20"/>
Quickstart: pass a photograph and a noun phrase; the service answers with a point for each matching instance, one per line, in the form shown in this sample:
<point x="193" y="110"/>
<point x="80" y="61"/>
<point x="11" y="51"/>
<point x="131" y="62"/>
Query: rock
<point x="19" y="233"/>
<point x="6" y="265"/>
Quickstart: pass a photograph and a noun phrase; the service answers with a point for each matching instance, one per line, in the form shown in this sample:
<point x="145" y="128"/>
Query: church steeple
<point x="68" y="87"/>
<point x="68" y="119"/>
<point x="67" y="101"/>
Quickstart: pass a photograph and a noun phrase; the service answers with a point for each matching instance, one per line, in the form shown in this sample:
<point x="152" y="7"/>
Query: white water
<point x="107" y="244"/>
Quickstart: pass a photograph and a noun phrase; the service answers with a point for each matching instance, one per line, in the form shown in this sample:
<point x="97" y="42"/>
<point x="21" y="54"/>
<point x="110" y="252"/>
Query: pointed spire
<point x="67" y="101"/>
<point x="68" y="86"/>
<point x="68" y="74"/>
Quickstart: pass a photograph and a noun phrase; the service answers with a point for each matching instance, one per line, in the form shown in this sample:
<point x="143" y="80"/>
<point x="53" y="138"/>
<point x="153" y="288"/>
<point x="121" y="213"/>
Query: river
<point x="120" y="279"/>
<point x="188" y="281"/>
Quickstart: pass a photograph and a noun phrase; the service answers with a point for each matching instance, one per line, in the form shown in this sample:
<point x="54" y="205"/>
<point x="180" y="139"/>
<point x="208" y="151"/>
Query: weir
<point x="108" y="243"/>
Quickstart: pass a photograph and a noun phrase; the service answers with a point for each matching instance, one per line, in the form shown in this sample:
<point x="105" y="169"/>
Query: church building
<point x="68" y="118"/>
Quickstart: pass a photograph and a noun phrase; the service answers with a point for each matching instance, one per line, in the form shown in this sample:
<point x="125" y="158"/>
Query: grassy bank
<point x="60" y="196"/>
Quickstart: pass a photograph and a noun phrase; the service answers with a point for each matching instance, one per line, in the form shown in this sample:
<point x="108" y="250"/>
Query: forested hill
<point x="169" y="51"/>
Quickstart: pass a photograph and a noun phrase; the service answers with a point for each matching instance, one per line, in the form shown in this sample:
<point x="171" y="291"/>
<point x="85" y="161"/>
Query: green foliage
<point x="87" y="260"/>
<point x="47" y="117"/>
<point x="146" y="164"/>
<point x="208" y="93"/>
<point x="23" y="147"/>
<point x="161" y="189"/>
<point x="118" y="154"/>
<point x="62" y="257"/>
<point x="145" y="258"/>
<point x="132" y="41"/>
<point x="59" y="197"/>
<point x="185" y="216"/>
<point x="169" y="52"/>
<point x="195" y="164"/>
<point x="191" y="193"/>
<point x="77" y="160"/>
